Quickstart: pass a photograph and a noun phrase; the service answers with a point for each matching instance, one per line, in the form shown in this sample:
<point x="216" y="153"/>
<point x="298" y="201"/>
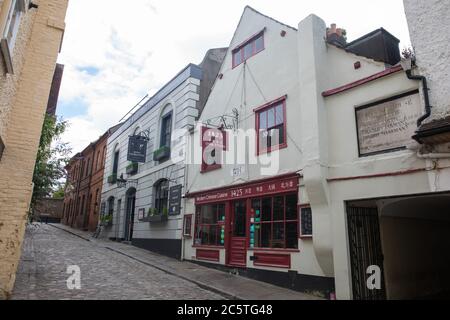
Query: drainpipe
<point x="425" y="94"/>
<point x="433" y="156"/>
<point x="407" y="66"/>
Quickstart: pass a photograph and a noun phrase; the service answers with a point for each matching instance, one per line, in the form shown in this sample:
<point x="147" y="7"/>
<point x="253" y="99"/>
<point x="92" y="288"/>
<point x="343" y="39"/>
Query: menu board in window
<point x="306" y="222"/>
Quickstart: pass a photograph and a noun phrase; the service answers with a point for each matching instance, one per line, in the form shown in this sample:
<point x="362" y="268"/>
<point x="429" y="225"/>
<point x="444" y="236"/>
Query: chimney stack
<point x="336" y="35"/>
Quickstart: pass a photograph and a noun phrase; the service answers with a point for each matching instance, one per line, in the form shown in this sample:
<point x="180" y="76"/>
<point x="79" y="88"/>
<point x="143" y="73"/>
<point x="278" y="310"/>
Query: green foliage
<point x="151" y="212"/>
<point x="52" y="158"/>
<point x="106" y="218"/>
<point x="59" y="194"/>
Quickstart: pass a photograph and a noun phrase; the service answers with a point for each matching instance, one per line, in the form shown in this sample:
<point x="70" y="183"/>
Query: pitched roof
<point x="268" y="17"/>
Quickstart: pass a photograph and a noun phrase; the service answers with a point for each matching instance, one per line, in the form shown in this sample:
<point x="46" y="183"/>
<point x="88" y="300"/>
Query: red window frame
<point x="302" y="236"/>
<point x="187" y="221"/>
<point x="241" y="48"/>
<point x="272" y="222"/>
<point x="205" y="143"/>
<point x="264" y="108"/>
<point x="220" y="224"/>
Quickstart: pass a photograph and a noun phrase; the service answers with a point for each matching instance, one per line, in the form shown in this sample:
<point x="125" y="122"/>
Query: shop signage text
<point x="250" y="190"/>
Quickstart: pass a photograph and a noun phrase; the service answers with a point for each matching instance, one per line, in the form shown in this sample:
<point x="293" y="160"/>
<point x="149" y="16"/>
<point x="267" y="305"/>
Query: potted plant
<point x="132" y="168"/>
<point x="151" y="212"/>
<point x="161" y="154"/>
<point x="106" y="220"/>
<point x="156" y="217"/>
<point x="112" y="178"/>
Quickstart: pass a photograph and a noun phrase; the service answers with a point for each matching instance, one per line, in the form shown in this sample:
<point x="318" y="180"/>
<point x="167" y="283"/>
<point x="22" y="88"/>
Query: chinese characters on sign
<point x="283" y="185"/>
<point x="388" y="125"/>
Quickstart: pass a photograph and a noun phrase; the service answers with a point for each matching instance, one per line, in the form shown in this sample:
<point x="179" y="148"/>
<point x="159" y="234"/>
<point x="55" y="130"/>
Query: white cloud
<point x="137" y="46"/>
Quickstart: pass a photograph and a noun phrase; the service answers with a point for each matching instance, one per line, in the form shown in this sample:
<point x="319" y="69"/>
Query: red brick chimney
<point x="336" y="35"/>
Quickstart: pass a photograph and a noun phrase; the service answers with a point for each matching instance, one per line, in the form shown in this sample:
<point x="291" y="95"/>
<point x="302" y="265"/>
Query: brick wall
<point x="23" y="102"/>
<point x="49" y="207"/>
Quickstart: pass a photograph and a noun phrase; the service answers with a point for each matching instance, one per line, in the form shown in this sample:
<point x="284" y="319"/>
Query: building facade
<point x="333" y="168"/>
<point x="71" y="191"/>
<point x="30" y="42"/>
<point x="142" y="201"/>
<point x="84" y="185"/>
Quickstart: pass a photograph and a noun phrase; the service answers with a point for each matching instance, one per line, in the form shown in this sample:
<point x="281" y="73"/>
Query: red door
<point x="237" y="249"/>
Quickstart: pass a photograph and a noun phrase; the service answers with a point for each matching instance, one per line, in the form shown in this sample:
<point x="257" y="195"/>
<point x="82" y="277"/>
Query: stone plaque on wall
<point x="388" y="125"/>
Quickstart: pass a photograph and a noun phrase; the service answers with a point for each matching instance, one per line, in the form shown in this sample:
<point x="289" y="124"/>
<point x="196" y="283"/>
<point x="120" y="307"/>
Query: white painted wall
<point x="330" y="147"/>
<point x="275" y="73"/>
<point x="429" y="28"/>
<point x="183" y="103"/>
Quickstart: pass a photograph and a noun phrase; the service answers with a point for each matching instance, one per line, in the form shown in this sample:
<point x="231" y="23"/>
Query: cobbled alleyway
<point x="105" y="274"/>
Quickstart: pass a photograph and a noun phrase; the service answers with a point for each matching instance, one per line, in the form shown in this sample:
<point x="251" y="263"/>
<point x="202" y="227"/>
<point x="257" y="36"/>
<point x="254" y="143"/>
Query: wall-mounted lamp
<point x="32" y="5"/>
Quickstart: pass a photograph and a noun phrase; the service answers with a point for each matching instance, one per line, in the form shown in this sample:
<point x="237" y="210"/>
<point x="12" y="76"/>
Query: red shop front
<point x="260" y="216"/>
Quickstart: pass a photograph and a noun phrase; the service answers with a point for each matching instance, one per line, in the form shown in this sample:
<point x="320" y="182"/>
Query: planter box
<point x="161" y="154"/>
<point x="112" y="179"/>
<point x="132" y="168"/>
<point x="157" y="218"/>
<point x="106" y="223"/>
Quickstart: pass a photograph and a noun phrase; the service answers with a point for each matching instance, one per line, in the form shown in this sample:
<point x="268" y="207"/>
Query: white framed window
<point x="17" y="8"/>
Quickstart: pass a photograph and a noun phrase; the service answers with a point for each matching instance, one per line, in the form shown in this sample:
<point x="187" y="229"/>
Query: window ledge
<point x="211" y="168"/>
<point x="207" y="247"/>
<point x="274" y="250"/>
<point x="275" y="148"/>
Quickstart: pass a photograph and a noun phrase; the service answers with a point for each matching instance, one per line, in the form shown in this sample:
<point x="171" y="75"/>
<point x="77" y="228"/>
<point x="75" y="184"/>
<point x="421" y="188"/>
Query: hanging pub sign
<point x="175" y="200"/>
<point x="388" y="125"/>
<point x="137" y="149"/>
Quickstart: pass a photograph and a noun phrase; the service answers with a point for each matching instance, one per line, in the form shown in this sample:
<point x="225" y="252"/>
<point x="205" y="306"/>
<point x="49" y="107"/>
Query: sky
<point x="115" y="52"/>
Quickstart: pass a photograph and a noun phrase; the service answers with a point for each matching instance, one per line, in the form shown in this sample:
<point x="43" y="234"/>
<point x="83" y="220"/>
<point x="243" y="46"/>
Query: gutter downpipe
<point x="426" y="95"/>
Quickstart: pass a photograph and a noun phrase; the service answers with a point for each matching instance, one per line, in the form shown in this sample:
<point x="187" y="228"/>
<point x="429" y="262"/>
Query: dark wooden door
<point x="129" y="221"/>
<point x="237" y="250"/>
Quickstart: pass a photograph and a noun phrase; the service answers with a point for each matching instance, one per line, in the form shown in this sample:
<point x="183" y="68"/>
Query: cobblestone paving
<point x="105" y="274"/>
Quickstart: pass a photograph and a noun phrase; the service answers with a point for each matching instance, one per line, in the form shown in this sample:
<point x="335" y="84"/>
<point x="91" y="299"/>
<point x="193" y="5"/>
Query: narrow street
<point x="116" y="271"/>
<point x="48" y="252"/>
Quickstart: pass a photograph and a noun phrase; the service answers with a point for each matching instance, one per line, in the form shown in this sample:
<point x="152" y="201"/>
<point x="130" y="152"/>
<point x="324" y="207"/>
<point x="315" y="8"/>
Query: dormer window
<point x="248" y="49"/>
